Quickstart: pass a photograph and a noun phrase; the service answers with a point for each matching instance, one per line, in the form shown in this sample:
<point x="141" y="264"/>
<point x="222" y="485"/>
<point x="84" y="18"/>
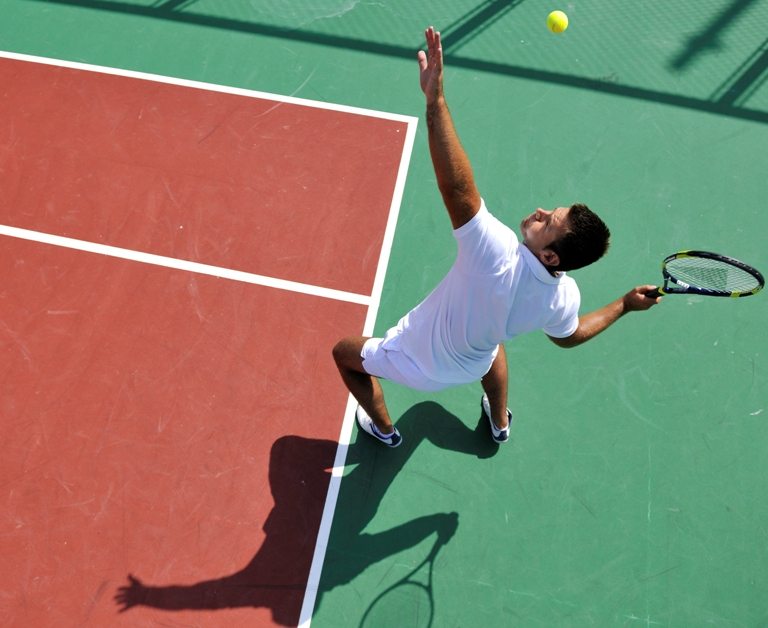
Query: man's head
<point x="565" y="238"/>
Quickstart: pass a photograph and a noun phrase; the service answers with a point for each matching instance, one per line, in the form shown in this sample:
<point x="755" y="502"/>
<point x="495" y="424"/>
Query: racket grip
<point x="653" y="294"/>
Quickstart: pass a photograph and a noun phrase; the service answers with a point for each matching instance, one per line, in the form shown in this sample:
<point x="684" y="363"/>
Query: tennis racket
<point x="709" y="274"/>
<point x="408" y="602"/>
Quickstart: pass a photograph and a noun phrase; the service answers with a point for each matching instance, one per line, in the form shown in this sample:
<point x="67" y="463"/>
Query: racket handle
<point x="653" y="294"/>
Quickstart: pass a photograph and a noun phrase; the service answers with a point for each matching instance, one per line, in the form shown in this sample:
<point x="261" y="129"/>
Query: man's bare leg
<point x="495" y="385"/>
<point x="364" y="387"/>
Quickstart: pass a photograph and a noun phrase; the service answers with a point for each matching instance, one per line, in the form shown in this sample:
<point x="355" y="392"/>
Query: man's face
<point x="541" y="229"/>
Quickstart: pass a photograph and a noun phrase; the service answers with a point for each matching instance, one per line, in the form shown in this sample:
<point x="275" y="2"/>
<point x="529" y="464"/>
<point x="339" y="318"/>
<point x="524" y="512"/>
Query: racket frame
<point x="671" y="283"/>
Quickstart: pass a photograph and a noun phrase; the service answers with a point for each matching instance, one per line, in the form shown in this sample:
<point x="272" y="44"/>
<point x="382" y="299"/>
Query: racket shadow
<point x="299" y="474"/>
<point x="351" y="550"/>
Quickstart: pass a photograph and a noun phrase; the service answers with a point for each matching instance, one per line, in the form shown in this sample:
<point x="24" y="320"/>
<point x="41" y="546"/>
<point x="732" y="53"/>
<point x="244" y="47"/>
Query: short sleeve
<point x="566" y="320"/>
<point x="484" y="243"/>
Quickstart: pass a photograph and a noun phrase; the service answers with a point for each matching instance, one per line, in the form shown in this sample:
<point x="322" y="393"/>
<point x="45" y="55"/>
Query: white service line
<point x="180" y="264"/>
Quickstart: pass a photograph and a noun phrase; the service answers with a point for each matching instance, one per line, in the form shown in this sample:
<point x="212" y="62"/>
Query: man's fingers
<point x="433" y="37"/>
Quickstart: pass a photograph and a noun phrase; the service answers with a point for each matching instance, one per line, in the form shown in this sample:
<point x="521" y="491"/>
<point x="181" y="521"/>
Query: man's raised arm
<point x="452" y="168"/>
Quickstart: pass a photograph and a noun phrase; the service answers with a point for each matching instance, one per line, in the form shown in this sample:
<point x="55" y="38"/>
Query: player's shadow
<point x="299" y="473"/>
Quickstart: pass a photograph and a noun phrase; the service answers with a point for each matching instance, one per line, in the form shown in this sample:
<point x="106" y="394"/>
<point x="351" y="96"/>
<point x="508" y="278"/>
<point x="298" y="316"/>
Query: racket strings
<point x="712" y="274"/>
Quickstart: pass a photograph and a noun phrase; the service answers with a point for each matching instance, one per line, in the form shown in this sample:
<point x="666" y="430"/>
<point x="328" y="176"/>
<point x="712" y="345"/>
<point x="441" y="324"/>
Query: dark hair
<point x="585" y="242"/>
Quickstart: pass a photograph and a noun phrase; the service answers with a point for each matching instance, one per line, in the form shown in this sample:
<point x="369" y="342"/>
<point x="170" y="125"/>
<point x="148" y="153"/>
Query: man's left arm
<point x="590" y="325"/>
<point x="453" y="171"/>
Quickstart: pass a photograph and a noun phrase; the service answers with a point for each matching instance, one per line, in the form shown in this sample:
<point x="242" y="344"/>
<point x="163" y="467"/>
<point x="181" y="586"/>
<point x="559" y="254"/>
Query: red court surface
<point x="168" y="435"/>
<point x="268" y="187"/>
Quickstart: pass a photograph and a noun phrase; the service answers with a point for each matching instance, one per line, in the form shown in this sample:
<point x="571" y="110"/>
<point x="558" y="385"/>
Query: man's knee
<point x="339" y="351"/>
<point x="346" y="352"/>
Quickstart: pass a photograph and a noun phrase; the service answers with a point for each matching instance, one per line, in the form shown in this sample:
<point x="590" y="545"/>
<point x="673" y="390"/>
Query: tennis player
<point x="498" y="288"/>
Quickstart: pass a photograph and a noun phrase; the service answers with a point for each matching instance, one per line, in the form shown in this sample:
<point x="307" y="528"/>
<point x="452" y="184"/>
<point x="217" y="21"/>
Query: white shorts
<point x="396" y="366"/>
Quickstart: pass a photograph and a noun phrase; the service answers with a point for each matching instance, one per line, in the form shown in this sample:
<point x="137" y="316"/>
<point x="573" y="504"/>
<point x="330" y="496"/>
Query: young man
<point x="498" y="288"/>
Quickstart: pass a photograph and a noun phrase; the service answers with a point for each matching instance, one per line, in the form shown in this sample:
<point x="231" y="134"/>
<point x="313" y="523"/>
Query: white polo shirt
<point x="496" y="290"/>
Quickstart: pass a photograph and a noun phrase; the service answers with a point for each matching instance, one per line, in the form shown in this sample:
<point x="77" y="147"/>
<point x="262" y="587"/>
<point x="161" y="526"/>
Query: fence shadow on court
<point x="299" y="473"/>
<point x="475" y="22"/>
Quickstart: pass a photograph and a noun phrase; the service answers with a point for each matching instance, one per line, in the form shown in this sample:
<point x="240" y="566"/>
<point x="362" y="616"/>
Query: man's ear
<point x="549" y="258"/>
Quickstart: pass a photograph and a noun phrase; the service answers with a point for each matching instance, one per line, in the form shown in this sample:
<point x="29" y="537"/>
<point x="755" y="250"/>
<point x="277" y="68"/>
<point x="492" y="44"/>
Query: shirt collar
<point x="539" y="270"/>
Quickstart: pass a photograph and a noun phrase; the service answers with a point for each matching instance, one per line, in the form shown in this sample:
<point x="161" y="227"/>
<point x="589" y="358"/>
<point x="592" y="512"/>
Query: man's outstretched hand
<point x="637" y="299"/>
<point x="431" y="66"/>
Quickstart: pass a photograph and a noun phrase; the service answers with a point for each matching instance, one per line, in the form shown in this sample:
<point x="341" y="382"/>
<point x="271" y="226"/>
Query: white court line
<point x="193" y="266"/>
<point x="180" y="264"/>
<point x="224" y="89"/>
<point x="373" y="301"/>
<point x="313" y="582"/>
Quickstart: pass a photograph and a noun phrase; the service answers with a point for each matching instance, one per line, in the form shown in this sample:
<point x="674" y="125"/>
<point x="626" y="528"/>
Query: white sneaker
<point x="500" y="436"/>
<point x="367" y="425"/>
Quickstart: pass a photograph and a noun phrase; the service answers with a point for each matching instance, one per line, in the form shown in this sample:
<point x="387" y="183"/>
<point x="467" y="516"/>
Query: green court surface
<point x="633" y="490"/>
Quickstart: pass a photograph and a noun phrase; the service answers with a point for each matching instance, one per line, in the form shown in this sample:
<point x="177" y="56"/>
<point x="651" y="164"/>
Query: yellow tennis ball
<point x="557" y="21"/>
